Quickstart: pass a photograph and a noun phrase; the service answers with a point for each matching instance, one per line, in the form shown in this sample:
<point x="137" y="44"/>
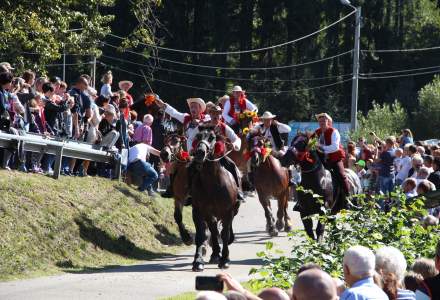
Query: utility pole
<point x="94" y="72"/>
<point x="64" y="62"/>
<point x="355" y="82"/>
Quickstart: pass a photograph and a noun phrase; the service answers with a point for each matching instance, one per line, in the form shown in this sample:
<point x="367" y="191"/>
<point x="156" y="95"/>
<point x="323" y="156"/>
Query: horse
<point x="315" y="179"/>
<point x="271" y="180"/>
<point x="173" y="152"/>
<point x="245" y="123"/>
<point x="214" y="194"/>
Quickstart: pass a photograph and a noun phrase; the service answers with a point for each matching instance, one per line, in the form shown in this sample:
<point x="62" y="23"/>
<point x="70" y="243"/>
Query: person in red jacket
<point x="329" y="143"/>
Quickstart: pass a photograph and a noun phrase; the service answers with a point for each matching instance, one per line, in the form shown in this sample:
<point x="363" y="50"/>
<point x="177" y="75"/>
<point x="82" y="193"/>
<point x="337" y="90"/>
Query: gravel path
<point x="158" y="278"/>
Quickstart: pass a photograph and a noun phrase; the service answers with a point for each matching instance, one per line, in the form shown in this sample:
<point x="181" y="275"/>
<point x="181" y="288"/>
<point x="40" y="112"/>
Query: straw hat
<point x="237" y="88"/>
<point x="325" y="115"/>
<point x="121" y="83"/>
<point x="223" y="98"/>
<point x="198" y="101"/>
<point x="209" y="105"/>
<point x="215" y="109"/>
<point x="267" y="115"/>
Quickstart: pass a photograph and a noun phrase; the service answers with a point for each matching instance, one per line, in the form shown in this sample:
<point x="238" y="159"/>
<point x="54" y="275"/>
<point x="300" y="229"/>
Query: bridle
<point x="176" y="149"/>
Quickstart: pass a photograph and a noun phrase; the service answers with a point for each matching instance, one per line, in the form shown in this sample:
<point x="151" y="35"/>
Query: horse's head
<point x="173" y="145"/>
<point x="205" y="144"/>
<point x="300" y="142"/>
<point x="258" y="150"/>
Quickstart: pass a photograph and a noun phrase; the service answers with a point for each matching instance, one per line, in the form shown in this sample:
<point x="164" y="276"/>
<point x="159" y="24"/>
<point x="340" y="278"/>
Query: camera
<point x="209" y="283"/>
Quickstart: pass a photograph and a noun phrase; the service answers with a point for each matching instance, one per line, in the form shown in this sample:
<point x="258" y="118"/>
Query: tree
<point x="426" y="122"/>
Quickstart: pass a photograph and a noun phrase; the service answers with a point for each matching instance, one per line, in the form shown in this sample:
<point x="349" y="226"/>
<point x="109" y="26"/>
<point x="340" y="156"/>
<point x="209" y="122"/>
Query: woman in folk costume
<point x="329" y="143"/>
<point x="236" y="104"/>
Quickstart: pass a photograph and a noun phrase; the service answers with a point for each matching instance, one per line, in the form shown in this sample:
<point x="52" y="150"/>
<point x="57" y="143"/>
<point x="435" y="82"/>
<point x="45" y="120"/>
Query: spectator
<point x="427" y="162"/>
<point x="406" y="163"/>
<point x="365" y="151"/>
<point x="412" y="281"/>
<point x="417" y="163"/>
<point x="432" y="285"/>
<point x="144" y="134"/>
<point x="386" y="167"/>
<point x="429" y="221"/>
<point x="398" y="156"/>
<point x="422" y="174"/>
<point x="106" y="89"/>
<point x="308" y="266"/>
<point x="409" y="187"/>
<point x="107" y="128"/>
<point x="210" y="295"/>
<point x="406" y="138"/>
<point x="359" y="264"/>
<point x="52" y="110"/>
<point x="92" y="136"/>
<point x="273" y="294"/>
<point x="360" y="169"/>
<point x="233" y="285"/>
<point x="81" y="111"/>
<point x="5" y="86"/>
<point x="434" y="177"/>
<point x="314" y="284"/>
<point x="351" y="155"/>
<point x="391" y="265"/>
<point x="425" y="267"/>
<point x="425" y="186"/>
<point x="102" y="103"/>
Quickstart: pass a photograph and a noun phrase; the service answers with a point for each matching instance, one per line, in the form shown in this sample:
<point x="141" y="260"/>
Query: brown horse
<point x="173" y="151"/>
<point x="271" y="180"/>
<point x="214" y="194"/>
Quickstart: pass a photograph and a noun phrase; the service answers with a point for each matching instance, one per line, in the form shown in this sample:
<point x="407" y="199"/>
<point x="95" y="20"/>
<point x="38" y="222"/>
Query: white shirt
<point x="405" y="166"/>
<point x="106" y="90"/>
<point x="191" y="131"/>
<point x="228" y="119"/>
<point x="336" y="140"/>
<point x="138" y="152"/>
<point x="282" y="128"/>
<point x="233" y="138"/>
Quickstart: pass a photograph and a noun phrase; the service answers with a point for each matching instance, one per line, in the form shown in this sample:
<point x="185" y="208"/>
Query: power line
<point x="400" y="71"/>
<point x="234" y="68"/>
<point x="222" y="91"/>
<point x="401" y="50"/>
<point x="72" y="64"/>
<point x="403" y="75"/>
<point x="227" y="78"/>
<point x="245" y="51"/>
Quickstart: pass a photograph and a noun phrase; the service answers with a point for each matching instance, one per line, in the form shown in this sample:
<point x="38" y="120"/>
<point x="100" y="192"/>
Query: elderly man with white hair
<point x="391" y="266"/>
<point x="359" y="264"/>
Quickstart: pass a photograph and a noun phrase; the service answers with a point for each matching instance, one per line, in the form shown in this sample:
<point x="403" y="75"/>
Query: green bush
<point x="383" y="119"/>
<point x="364" y="224"/>
<point x="427" y="118"/>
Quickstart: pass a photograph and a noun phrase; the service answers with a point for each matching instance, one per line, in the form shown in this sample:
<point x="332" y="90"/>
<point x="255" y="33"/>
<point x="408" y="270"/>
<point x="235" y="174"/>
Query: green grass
<point x="192" y="295"/>
<point x="73" y="224"/>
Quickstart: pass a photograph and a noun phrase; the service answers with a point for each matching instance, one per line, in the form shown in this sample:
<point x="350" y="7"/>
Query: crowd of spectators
<point x="384" y="165"/>
<point x="52" y="108"/>
<point x="381" y="275"/>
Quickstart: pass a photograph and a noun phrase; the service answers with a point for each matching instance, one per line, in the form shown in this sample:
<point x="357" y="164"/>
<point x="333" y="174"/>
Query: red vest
<point x="188" y="119"/>
<point x="222" y="127"/>
<point x="338" y="154"/>
<point x="241" y="104"/>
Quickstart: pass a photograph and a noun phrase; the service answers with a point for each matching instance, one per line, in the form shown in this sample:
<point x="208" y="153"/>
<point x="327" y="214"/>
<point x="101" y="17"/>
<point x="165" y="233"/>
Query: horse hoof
<point x="198" y="267"/>
<point x="224" y="264"/>
<point x="273" y="232"/>
<point x="280" y="225"/>
<point x="187" y="239"/>
<point x="214" y="260"/>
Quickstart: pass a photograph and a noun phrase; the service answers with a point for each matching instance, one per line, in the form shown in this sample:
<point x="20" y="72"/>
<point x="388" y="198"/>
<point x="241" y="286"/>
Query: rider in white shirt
<point x="272" y="130"/>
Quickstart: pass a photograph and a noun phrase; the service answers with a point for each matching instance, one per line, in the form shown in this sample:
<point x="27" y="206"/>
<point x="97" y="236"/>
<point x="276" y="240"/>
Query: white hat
<point x="224" y="97"/>
<point x="237" y="88"/>
<point x="267" y="115"/>
<point x="325" y="115"/>
<point x="130" y="83"/>
<point x="197" y="100"/>
<point x="6" y="65"/>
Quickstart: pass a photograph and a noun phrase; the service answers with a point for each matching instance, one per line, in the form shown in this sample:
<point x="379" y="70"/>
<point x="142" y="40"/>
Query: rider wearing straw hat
<point x="273" y="131"/>
<point x="190" y="123"/>
<point x="236" y="104"/>
<point x="329" y="143"/>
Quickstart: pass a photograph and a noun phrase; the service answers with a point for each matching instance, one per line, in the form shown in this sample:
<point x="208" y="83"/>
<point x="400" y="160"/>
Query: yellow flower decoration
<point x="245" y="130"/>
<point x="249" y="114"/>
<point x="241" y="116"/>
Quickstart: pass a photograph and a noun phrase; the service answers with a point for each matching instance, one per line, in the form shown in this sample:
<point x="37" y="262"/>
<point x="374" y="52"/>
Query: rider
<point x="329" y="143"/>
<point x="223" y="130"/>
<point x="190" y="123"/>
<point x="273" y="130"/>
<point x="235" y="105"/>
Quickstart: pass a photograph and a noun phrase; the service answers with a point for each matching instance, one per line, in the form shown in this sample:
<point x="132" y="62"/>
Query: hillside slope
<point x="48" y="225"/>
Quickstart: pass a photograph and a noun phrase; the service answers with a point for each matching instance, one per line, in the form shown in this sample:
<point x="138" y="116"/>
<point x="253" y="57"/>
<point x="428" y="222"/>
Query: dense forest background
<point x="231" y="25"/>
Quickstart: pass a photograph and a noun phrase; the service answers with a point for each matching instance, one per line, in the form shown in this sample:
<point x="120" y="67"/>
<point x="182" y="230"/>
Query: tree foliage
<point x="427" y="118"/>
<point x="384" y="120"/>
<point x="363" y="225"/>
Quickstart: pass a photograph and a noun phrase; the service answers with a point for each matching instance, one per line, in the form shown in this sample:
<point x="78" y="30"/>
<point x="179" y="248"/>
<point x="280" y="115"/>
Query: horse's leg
<point x="280" y="212"/>
<point x="308" y="225"/>
<point x="199" y="223"/>
<point x="287" y="221"/>
<point x="270" y="221"/>
<point x="320" y="231"/>
<point x="226" y="231"/>
<point x="184" y="233"/>
<point x="215" y="256"/>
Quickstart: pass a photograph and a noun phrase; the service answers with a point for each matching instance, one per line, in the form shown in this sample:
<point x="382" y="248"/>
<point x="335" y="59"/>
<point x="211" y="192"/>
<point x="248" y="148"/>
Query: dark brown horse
<point x="271" y="180"/>
<point x="316" y="180"/>
<point x="173" y="152"/>
<point x="214" y="194"/>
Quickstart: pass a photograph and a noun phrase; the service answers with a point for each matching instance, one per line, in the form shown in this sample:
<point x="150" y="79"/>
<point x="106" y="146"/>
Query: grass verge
<point x="75" y="224"/>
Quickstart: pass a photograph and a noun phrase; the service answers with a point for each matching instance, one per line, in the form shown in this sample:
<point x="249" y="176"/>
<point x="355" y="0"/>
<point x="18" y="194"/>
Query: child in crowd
<point x="409" y="187"/>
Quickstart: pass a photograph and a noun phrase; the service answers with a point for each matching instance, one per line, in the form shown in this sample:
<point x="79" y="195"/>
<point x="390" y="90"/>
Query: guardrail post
<point x="118" y="167"/>
<point x="58" y="162"/>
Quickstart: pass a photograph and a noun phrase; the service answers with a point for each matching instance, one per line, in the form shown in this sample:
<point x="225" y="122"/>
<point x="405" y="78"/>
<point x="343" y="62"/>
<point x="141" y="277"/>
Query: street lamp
<point x="355" y="81"/>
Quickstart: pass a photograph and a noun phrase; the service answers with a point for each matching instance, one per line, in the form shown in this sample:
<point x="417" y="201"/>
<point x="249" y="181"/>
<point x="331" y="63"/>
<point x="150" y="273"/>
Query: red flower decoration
<point x="149" y="99"/>
<point x="184" y="155"/>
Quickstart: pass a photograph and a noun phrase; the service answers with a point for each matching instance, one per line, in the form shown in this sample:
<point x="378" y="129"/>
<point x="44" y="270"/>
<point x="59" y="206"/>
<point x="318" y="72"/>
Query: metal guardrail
<point x="61" y="148"/>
